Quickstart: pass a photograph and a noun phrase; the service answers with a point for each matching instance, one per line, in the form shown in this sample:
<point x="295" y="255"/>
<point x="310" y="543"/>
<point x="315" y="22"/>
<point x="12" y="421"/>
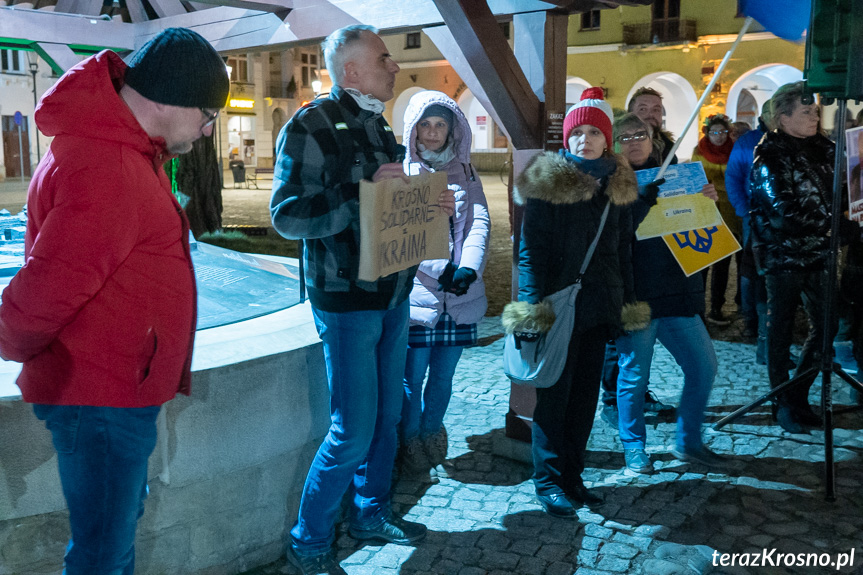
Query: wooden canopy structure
<point x="510" y="83"/>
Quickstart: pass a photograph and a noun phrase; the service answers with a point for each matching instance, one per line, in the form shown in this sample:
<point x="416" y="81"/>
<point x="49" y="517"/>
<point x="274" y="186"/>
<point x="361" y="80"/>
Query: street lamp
<point x="317" y="84"/>
<point x="33" y="62"/>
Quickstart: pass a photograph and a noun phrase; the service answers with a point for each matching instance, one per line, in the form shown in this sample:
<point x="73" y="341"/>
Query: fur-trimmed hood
<point x="461" y="133"/>
<point x="552" y="178"/>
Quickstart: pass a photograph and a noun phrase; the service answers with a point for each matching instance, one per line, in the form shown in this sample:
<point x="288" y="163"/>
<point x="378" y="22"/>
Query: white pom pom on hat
<point x="592" y="110"/>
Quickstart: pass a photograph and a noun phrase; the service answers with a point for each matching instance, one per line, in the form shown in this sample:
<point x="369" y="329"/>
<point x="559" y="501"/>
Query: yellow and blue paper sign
<point x="689" y="223"/>
<point x="697" y="249"/>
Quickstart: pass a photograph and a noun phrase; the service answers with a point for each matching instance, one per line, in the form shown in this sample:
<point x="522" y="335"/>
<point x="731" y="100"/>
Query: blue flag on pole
<point x="787" y="19"/>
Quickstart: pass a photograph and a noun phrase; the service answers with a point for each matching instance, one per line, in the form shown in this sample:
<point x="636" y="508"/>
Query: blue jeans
<point x="365" y="356"/>
<point x="102" y="454"/>
<point x="423" y="410"/>
<point x="687" y="340"/>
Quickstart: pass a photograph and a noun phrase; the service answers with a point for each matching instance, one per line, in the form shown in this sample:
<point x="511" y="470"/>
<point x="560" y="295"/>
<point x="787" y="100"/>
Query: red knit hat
<point x="592" y="110"/>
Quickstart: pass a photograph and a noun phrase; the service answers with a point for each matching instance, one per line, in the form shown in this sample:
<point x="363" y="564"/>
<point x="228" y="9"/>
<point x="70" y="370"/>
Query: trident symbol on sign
<point x="699" y="240"/>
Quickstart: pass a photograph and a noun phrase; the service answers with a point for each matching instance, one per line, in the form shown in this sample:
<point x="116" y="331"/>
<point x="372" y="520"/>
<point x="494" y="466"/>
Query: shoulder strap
<point x="595" y="241"/>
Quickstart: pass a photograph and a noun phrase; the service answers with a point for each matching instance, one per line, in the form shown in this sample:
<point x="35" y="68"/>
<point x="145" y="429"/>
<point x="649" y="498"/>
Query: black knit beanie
<point x="439" y="111"/>
<point x="179" y="68"/>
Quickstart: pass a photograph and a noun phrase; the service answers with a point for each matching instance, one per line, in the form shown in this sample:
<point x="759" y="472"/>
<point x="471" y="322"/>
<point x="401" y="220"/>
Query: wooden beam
<point x="486" y="50"/>
<point x="59" y="56"/>
<point x="280" y="8"/>
<point x="137" y="13"/>
<point x="451" y="51"/>
<point x="227" y="29"/>
<point x="165" y="8"/>
<point x="59" y="28"/>
<point x="554" y="46"/>
<point x="317" y="18"/>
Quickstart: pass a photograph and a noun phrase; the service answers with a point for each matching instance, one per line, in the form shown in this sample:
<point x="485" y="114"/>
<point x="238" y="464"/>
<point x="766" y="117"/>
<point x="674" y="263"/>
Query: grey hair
<point x="334" y="47"/>
<point x="785" y="100"/>
<point x="630" y="121"/>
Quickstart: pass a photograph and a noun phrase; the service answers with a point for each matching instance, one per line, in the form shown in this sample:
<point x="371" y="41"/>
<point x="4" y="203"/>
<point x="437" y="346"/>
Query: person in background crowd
<point x="738" y="129"/>
<point x="363" y="324"/>
<point x="713" y="151"/>
<point x="676" y="307"/>
<point x="103" y="313"/>
<point x="448" y="298"/>
<point x="646" y="103"/>
<point x="753" y="294"/>
<point x="791" y="183"/>
<point x="564" y="196"/>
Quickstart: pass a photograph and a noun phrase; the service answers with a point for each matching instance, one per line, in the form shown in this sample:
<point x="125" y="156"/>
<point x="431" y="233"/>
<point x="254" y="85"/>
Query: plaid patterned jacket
<point x="323" y="153"/>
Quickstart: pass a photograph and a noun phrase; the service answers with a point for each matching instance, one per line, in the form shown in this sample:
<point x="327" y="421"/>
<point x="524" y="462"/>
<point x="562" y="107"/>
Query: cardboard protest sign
<point x="401" y="224"/>
<point x="694" y="250"/>
<point x="680" y="206"/>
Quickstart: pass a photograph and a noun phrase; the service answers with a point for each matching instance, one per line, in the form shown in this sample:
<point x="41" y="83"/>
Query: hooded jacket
<point x="739" y="166"/>
<point x="790" y="185"/>
<point x="562" y="211"/>
<point x="470" y="224"/>
<point x="103" y="311"/>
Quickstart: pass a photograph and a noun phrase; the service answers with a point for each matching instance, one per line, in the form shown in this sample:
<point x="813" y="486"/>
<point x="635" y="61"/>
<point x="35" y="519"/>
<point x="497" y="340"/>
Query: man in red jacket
<point x="102" y="315"/>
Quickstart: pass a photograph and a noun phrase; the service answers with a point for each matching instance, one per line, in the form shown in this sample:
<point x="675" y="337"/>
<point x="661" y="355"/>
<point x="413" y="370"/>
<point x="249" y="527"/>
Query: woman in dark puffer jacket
<point x="791" y="187"/>
<point x="564" y="196"/>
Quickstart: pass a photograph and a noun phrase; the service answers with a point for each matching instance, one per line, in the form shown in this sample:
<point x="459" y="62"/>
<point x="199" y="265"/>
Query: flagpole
<point x="706" y="93"/>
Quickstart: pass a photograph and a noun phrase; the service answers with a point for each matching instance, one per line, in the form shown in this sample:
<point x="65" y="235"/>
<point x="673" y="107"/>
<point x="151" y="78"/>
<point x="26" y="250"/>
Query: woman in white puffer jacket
<point x="448" y="297"/>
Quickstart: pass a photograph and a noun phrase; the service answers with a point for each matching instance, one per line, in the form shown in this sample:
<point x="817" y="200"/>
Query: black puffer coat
<point x="790" y="187"/>
<point x="563" y="206"/>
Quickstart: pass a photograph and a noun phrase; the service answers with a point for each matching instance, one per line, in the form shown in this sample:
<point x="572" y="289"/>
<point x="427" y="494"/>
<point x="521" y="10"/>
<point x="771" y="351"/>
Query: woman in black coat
<point x="564" y="196"/>
<point x="791" y="187"/>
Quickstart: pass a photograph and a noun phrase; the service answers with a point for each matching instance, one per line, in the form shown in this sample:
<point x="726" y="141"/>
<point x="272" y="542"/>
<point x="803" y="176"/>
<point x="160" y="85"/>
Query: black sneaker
<point x="716" y="317"/>
<point x="323" y="564"/>
<point x="653" y="405"/>
<point x="701" y="456"/>
<point x="610" y="415"/>
<point x="392" y="530"/>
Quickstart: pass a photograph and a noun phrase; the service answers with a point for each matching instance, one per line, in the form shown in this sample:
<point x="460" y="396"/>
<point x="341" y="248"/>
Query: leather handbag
<point x="539" y="363"/>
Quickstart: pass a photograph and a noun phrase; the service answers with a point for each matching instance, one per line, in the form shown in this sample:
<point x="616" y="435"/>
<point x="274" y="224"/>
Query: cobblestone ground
<point x="485" y="519"/>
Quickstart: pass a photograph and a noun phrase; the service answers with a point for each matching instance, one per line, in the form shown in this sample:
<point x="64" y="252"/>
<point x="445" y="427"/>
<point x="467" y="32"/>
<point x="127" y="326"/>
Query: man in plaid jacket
<point x="323" y="153"/>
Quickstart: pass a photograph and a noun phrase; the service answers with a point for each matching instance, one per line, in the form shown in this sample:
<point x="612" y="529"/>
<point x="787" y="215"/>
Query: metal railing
<point x="659" y="31"/>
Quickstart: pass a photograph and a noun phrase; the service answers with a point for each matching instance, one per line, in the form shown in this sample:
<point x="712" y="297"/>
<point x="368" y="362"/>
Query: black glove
<point x="651" y="191"/>
<point x="444" y="282"/>
<point x="849" y="232"/>
<point x="525" y="337"/>
<point x="461" y="280"/>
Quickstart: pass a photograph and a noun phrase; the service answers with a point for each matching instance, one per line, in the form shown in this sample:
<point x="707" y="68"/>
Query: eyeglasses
<point x="717" y="132"/>
<point x="211" y="117"/>
<point x="636" y="137"/>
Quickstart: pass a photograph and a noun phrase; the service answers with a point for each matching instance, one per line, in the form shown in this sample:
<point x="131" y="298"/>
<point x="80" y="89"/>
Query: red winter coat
<point x="103" y="311"/>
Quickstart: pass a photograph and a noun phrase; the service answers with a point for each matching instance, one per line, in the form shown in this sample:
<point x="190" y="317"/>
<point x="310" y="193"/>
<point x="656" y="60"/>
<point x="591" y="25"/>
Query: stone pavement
<point x="485" y="519"/>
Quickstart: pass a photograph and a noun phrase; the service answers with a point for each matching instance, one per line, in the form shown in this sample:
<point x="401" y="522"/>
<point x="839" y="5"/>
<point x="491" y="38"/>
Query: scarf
<point x="367" y="101"/>
<point x="438" y="159"/>
<point x="715" y="154"/>
<point x="600" y="168"/>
